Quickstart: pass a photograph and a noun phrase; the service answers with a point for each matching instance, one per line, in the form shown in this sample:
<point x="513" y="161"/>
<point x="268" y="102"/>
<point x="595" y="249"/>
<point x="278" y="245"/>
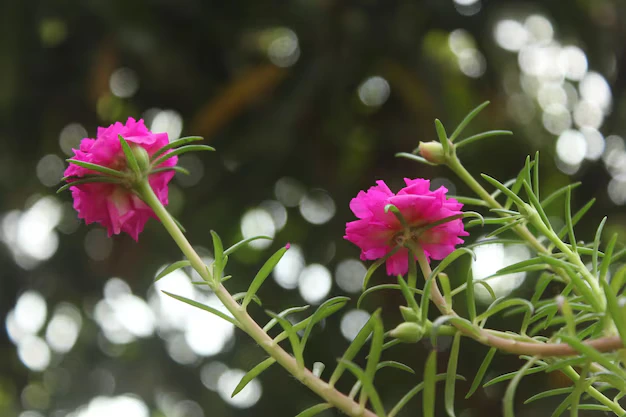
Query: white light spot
<point x="50" y="170"/>
<point x="465" y="2"/>
<point x="492" y="257"/>
<point x="168" y="121"/>
<point x="246" y="398"/>
<point x="573" y="61"/>
<point x="277" y="211"/>
<point x="30" y="312"/>
<point x="210" y="374"/>
<point x="289" y="191"/>
<point x="556" y="119"/>
<point x="472" y="63"/>
<point x="98" y="245"/>
<point x="617" y="191"/>
<point x="550" y="94"/>
<point x="124" y="405"/>
<point x="459" y="40"/>
<point x="314" y="283"/>
<point x="288" y="269"/>
<point x="63" y="329"/>
<point x="571" y="147"/>
<point x="349" y="275"/>
<point x="539" y="29"/>
<point x="595" y="143"/>
<point x="258" y="222"/>
<point x="352" y="322"/>
<point x="70" y="137"/>
<point x="595" y="89"/>
<point x="317" y="207"/>
<point x="284" y="50"/>
<point x="124" y="82"/>
<point x="510" y="35"/>
<point x="34" y="353"/>
<point x="588" y="114"/>
<point x="374" y="91"/>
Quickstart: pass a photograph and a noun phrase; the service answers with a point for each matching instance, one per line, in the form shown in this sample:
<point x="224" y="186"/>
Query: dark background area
<point x="306" y="102"/>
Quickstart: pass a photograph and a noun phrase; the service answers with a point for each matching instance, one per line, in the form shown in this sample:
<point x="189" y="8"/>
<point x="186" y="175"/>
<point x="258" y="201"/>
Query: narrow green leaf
<point x="218" y="248"/>
<point x="383" y="287"/>
<point x="469" y="295"/>
<point x="509" y="394"/>
<point x="352" y="350"/>
<point x="483" y="135"/>
<point x="579" y="390"/>
<point x="323" y="311"/>
<point x="377" y="264"/>
<point x="618" y="255"/>
<point x="130" y="157"/>
<point x="414" y="158"/>
<point x="481" y="372"/>
<point x="494" y="241"/>
<point x="394" y="364"/>
<point x="408" y="295"/>
<point x="451" y="258"/>
<point x="517" y="186"/>
<point x="240" y="295"/>
<point x="273" y="322"/>
<point x="376" y="348"/>
<point x="506" y="227"/>
<point x="175" y="144"/>
<point x="396" y="212"/>
<point x="568" y="220"/>
<point x="262" y="275"/>
<point x="536" y="176"/>
<point x="469" y="201"/>
<point x="518" y="201"/>
<point x="606" y="261"/>
<point x="451" y="375"/>
<point x="253" y="373"/>
<point x="89" y="181"/>
<point x="315" y="410"/>
<point x="443" y="137"/>
<point x="445" y="287"/>
<point x="166" y="169"/>
<point x="552" y="197"/>
<point x="507" y="184"/>
<point x="511" y="375"/>
<point x="203" y="307"/>
<point x="617" y="280"/>
<point x="536" y="205"/>
<point x="430" y="373"/>
<point x="494" y="309"/>
<point x="579" y="215"/>
<point x="596" y="248"/>
<point x="367" y="386"/>
<point x="614" y="310"/>
<point x="332" y="308"/>
<point x="520" y="266"/>
<point x="98" y="168"/>
<point x="240" y="244"/>
<point x="466" y="120"/>
<point x="293" y="337"/>
<point x="171" y="268"/>
<point x="414" y="391"/>
<point x="549" y="393"/>
<point x="179" y="151"/>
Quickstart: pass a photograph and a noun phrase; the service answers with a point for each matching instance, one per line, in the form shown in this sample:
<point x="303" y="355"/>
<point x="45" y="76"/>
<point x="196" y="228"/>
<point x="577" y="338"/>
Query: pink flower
<point x="376" y="231"/>
<point x="115" y="206"/>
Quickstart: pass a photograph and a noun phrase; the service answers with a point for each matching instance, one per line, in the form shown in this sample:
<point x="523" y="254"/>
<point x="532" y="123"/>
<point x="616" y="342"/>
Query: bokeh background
<point x="307" y="101"/>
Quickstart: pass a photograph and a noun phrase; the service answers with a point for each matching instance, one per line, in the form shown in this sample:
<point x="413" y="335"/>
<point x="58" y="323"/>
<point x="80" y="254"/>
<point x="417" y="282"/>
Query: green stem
<point x="320" y="387"/>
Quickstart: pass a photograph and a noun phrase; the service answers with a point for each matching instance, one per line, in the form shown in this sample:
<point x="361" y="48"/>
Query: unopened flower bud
<point x="408" y="332"/>
<point x="409" y="314"/>
<point x="142" y="157"/>
<point x="432" y="152"/>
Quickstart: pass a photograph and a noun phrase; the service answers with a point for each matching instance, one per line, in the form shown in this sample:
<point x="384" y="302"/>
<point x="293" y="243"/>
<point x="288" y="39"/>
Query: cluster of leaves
<point x="577" y="333"/>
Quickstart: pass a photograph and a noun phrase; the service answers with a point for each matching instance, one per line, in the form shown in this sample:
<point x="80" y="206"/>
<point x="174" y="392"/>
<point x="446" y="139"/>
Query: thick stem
<point x="320" y="387"/>
<point x="518" y="347"/>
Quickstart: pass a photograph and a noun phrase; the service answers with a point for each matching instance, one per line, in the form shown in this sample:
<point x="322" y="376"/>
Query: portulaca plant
<point x="120" y="180"/>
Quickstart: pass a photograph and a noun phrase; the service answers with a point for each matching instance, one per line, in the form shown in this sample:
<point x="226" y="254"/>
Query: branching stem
<point x="287" y="361"/>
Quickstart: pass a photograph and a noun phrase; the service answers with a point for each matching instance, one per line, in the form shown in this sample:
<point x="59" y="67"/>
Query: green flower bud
<point x="432" y="152"/>
<point x="142" y="157"/>
<point x="408" y="332"/>
<point x="409" y="314"/>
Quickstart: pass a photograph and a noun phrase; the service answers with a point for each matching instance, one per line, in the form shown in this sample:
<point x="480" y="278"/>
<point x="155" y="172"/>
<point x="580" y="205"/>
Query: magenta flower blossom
<point x="115" y="206"/>
<point x="377" y="232"/>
